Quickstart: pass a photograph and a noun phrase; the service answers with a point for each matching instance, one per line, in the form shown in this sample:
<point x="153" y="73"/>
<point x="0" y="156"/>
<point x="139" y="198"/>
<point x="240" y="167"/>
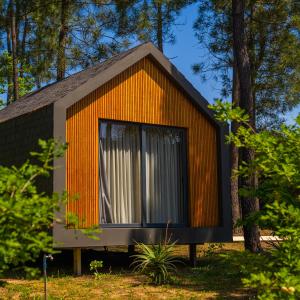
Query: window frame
<point x="142" y="135"/>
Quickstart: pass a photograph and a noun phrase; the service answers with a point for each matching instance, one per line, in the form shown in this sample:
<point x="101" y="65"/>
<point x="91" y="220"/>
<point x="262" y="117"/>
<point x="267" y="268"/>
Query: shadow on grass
<point x="219" y="273"/>
<point x="3" y="283"/>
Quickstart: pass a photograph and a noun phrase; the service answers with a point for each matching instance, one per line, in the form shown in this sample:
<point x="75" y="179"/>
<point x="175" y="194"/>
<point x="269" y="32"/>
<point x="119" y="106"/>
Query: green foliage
<point x="156" y="261"/>
<point x="90" y="29"/>
<point x="26" y="82"/>
<point x="224" y="112"/>
<point x="27" y="214"/>
<point x="151" y="20"/>
<point x="95" y="266"/>
<point x="277" y="165"/>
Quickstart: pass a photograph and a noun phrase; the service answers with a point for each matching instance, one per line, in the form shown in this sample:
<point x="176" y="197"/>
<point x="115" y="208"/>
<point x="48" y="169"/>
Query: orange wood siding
<point x="142" y="94"/>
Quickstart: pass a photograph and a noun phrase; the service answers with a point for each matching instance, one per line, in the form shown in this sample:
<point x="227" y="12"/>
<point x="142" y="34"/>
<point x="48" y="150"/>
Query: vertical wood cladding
<point x="143" y="94"/>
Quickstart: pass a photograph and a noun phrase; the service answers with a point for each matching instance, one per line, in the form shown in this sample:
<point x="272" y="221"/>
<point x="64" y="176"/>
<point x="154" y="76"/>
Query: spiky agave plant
<point x="156" y="261"/>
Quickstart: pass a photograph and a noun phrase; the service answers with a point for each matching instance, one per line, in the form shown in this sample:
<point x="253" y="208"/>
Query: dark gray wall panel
<point x="19" y="136"/>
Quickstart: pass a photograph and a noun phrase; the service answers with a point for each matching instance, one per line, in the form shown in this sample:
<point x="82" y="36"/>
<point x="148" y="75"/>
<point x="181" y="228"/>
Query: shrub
<point x="26" y="214"/>
<point x="277" y="165"/>
<point x="156" y="261"/>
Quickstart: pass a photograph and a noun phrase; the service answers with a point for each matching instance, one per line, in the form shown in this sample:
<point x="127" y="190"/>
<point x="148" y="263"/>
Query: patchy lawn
<point x="217" y="276"/>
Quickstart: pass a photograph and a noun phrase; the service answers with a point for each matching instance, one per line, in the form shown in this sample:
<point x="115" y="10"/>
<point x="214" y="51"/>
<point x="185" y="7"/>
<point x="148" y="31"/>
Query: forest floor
<point x="217" y="276"/>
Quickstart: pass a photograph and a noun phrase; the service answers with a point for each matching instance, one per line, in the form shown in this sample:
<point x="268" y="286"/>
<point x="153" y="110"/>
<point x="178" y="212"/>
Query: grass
<point x="217" y="276"/>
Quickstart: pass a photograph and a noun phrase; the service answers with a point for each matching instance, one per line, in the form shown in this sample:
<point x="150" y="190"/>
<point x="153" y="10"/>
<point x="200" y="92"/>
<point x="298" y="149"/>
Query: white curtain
<point x="164" y="182"/>
<point x="120" y="175"/>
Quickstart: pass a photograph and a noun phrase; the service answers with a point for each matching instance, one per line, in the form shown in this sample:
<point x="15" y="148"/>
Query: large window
<point x="142" y="174"/>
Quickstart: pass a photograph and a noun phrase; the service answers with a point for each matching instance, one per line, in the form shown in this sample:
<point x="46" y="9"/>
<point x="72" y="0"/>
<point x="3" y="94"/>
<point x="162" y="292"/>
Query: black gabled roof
<point x="73" y="88"/>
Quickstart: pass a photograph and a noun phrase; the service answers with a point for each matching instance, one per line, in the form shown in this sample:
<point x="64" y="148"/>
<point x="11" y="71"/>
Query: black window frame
<point x="142" y="135"/>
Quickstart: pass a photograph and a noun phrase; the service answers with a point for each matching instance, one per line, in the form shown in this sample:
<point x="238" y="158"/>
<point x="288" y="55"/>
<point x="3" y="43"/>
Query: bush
<point x="156" y="261"/>
<point x="277" y="165"/>
<point x="26" y="214"/>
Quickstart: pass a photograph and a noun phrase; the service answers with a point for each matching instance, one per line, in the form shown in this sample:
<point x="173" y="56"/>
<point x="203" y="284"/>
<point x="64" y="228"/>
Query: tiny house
<point x="144" y="152"/>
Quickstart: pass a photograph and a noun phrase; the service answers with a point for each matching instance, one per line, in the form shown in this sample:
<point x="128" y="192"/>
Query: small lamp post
<point x="45" y="257"/>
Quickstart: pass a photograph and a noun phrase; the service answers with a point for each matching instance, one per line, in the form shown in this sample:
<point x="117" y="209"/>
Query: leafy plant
<point x="156" y="261"/>
<point x="26" y="214"/>
<point x="277" y="165"/>
<point x="95" y="265"/>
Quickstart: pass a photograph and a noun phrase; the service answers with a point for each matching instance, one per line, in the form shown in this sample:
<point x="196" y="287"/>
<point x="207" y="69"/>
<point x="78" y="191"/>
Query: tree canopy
<point x="272" y="32"/>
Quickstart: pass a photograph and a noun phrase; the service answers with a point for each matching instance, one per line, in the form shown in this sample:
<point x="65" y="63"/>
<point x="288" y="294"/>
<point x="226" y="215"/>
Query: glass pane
<point x="119" y="174"/>
<point x="164" y="175"/>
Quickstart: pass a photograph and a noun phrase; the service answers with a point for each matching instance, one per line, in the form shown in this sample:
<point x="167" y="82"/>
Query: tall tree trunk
<point x="249" y="204"/>
<point x="9" y="77"/>
<point x="234" y="180"/>
<point x="23" y="46"/>
<point x="62" y="39"/>
<point x="159" y="27"/>
<point x="14" y="51"/>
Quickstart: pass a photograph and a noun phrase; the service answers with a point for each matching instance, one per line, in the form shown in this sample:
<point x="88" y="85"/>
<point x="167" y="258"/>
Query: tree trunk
<point x="249" y="204"/>
<point x="9" y="77"/>
<point x="23" y="46"/>
<point x="234" y="180"/>
<point x="14" y="51"/>
<point x="159" y="27"/>
<point x="62" y="39"/>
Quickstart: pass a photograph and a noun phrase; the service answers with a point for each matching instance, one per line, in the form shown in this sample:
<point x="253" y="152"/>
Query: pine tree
<point x="14" y="81"/>
<point x="152" y="20"/>
<point x="15" y="71"/>
<point x="65" y="12"/>
<point x="48" y="40"/>
<point x="272" y="33"/>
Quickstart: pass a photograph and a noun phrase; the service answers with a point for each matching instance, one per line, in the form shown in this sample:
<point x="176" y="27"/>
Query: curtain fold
<point x="119" y="163"/>
<point x="105" y="203"/>
<point x="164" y="184"/>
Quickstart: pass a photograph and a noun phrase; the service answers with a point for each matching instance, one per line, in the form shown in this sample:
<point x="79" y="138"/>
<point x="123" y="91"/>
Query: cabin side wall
<point x="142" y="94"/>
<point x="19" y="136"/>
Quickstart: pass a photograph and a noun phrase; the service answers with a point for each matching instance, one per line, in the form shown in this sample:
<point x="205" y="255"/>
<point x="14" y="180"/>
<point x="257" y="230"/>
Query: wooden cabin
<point x="144" y="151"/>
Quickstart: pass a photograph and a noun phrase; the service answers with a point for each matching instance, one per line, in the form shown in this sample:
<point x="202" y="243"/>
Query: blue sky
<point x="186" y="51"/>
